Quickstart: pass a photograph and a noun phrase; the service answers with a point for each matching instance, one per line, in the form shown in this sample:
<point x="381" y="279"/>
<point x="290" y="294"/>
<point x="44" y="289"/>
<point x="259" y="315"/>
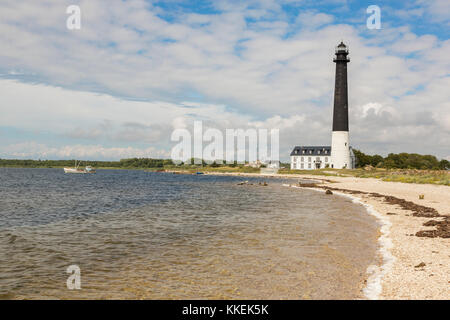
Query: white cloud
<point x="411" y="43"/>
<point x="314" y="20"/>
<point x="83" y="152"/>
<point x="245" y="73"/>
<point x="438" y="9"/>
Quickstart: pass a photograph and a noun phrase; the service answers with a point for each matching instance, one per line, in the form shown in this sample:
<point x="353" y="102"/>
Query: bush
<point x="401" y="161"/>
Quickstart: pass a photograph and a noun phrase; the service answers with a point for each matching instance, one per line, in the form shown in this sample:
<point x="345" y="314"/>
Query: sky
<point x="139" y="69"/>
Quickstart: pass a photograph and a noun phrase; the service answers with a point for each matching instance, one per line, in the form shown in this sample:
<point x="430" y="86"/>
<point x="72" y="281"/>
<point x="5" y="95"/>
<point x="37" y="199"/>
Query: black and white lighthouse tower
<point x="340" y="155"/>
<point x="340" y="148"/>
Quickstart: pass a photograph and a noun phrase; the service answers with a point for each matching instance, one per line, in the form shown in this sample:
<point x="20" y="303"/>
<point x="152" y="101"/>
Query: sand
<point x="421" y="265"/>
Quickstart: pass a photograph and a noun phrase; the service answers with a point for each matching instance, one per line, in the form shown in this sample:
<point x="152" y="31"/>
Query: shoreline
<point x="375" y="273"/>
<point x="420" y="264"/>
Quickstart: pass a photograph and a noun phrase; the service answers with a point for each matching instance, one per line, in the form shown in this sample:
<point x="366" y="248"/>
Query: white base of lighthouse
<point x="340" y="151"/>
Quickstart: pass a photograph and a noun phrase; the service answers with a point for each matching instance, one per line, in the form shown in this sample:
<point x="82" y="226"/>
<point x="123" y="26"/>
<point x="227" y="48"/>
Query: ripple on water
<point x="151" y="235"/>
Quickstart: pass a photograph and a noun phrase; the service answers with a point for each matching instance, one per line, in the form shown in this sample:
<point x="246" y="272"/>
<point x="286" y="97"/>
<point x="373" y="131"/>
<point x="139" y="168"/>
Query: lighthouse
<point x="339" y="155"/>
<point x="340" y="148"/>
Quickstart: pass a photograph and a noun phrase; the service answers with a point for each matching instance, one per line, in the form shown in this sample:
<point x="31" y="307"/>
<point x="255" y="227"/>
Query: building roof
<point x="311" y="151"/>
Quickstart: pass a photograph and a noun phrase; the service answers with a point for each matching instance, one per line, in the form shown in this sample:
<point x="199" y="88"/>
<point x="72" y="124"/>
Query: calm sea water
<point x="142" y="235"/>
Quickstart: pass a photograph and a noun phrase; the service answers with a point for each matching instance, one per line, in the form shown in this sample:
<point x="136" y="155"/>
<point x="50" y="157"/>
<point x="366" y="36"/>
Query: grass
<point x="318" y="172"/>
<point x="403" y="175"/>
<point x="441" y="177"/>
<point x="223" y="169"/>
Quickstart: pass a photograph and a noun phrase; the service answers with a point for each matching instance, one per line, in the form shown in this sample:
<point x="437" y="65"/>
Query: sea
<point x="132" y="234"/>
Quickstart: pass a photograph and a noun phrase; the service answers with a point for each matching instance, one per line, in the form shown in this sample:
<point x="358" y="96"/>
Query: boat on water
<point x="89" y="169"/>
<point x="77" y="169"/>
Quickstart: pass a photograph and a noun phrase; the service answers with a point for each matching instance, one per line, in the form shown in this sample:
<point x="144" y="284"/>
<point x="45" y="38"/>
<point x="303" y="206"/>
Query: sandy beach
<point x="421" y="265"/>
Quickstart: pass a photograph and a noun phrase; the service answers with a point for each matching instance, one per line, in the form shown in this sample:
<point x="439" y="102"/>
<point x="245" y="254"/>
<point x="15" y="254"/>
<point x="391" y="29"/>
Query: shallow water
<point x="136" y="234"/>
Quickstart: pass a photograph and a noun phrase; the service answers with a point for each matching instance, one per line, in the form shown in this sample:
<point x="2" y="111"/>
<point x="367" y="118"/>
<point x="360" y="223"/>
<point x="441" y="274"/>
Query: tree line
<point x="123" y="163"/>
<point x="401" y="161"/>
<point x="392" y="161"/>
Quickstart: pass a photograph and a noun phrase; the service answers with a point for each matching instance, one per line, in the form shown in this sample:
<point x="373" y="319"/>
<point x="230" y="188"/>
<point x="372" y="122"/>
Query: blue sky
<point x="139" y="69"/>
<point x="395" y="13"/>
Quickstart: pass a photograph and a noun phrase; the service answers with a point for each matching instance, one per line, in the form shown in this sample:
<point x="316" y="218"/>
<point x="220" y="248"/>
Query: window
<point x="302" y="166"/>
<point x="318" y="152"/>
<point x="326" y="151"/>
<point x="309" y="165"/>
<point x="326" y="159"/>
<point x="302" y="159"/>
<point x="317" y="159"/>
<point x="310" y="151"/>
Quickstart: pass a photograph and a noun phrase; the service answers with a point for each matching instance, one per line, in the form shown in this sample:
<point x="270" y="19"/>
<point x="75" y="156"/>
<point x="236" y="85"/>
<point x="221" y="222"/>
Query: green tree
<point x="444" y="164"/>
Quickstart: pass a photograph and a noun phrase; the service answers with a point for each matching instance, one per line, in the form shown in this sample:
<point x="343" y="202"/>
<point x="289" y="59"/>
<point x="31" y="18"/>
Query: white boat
<point x="89" y="169"/>
<point x="77" y="169"/>
<point x="73" y="170"/>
